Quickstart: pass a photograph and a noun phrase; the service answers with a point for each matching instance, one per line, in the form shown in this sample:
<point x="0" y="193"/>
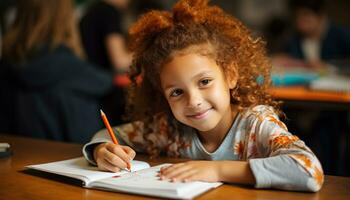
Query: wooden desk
<point x="16" y="184"/>
<point x="301" y="93"/>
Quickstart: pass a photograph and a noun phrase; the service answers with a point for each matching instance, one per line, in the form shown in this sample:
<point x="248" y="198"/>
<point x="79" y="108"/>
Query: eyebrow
<point x="208" y="72"/>
<point x="194" y="77"/>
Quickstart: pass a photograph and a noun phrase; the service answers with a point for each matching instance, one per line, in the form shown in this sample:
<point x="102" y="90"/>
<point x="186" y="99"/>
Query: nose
<point x="195" y="99"/>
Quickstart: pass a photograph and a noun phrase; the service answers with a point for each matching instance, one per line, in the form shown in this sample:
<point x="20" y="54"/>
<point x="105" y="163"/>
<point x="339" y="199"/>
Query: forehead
<point x="204" y="49"/>
<point x="190" y="56"/>
<point x="186" y="67"/>
<point x="303" y="12"/>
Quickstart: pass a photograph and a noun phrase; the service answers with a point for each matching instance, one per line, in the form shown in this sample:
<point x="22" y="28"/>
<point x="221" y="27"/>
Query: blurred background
<point x="308" y="42"/>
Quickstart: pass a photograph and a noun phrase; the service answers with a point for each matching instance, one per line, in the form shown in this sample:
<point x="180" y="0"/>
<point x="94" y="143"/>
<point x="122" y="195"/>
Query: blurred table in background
<point x="302" y="93"/>
<point x="322" y="120"/>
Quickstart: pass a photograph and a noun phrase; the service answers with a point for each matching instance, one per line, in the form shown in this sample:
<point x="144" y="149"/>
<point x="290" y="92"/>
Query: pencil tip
<point x="102" y="113"/>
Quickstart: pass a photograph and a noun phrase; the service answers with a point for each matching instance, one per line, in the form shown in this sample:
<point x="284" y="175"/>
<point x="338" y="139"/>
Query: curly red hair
<point x="158" y="35"/>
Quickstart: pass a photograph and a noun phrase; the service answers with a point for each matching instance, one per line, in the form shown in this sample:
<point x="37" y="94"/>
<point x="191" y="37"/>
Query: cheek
<point x="176" y="108"/>
<point x="220" y="94"/>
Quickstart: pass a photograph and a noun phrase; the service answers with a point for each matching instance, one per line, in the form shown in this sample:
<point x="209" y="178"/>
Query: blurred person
<point x="276" y="33"/>
<point x="103" y="36"/>
<point x="317" y="40"/>
<point x="102" y="33"/>
<point x="6" y="17"/>
<point x="46" y="89"/>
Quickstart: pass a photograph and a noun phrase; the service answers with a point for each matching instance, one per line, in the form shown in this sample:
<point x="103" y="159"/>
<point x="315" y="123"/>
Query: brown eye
<point x="176" y="92"/>
<point x="205" y="82"/>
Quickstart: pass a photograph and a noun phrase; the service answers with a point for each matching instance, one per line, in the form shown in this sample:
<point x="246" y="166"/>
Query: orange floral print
<point x="283" y="141"/>
<point x="318" y="176"/>
<point x="132" y="135"/>
<point x="305" y="160"/>
<point x="253" y="137"/>
<point x="239" y="148"/>
<point x="278" y="122"/>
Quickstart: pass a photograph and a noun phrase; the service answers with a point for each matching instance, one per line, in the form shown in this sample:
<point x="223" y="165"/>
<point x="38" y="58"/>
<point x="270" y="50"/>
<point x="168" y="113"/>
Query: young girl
<point x="203" y="96"/>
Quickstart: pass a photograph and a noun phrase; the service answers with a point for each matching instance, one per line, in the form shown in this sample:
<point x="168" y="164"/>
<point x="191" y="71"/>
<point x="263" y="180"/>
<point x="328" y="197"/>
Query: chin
<point x="204" y="128"/>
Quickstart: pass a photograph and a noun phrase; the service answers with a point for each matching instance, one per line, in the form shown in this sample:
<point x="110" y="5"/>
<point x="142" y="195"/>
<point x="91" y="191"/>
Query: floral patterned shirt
<point x="277" y="158"/>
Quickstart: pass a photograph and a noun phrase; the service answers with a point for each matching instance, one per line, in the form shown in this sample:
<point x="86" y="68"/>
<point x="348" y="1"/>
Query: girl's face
<point x="197" y="91"/>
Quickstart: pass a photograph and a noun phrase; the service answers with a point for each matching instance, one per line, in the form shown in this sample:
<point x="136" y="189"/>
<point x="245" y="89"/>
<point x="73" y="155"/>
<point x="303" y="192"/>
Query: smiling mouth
<point x="200" y="115"/>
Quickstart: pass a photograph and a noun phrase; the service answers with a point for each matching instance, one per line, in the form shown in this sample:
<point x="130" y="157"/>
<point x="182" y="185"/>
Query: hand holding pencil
<point x="113" y="156"/>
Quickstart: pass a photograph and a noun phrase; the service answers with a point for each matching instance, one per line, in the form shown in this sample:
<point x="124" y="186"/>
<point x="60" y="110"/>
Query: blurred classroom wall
<point x="254" y="13"/>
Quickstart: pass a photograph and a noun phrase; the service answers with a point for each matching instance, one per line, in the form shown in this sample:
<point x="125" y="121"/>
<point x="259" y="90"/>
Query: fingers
<point x="165" y="170"/>
<point x="118" y="151"/>
<point x="113" y="157"/>
<point x="104" y="165"/>
<point x="129" y="151"/>
<point x="176" y="172"/>
<point x="106" y="160"/>
<point x="186" y="176"/>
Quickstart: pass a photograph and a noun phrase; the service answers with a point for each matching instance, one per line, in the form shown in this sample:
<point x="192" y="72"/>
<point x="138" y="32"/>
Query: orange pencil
<point x="111" y="133"/>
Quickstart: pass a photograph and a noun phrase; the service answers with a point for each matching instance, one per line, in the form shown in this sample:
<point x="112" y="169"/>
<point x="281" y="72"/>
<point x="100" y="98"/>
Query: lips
<point x="200" y="115"/>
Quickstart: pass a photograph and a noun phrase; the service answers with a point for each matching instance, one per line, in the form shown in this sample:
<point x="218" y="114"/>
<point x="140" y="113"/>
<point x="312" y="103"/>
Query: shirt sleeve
<point x="277" y="158"/>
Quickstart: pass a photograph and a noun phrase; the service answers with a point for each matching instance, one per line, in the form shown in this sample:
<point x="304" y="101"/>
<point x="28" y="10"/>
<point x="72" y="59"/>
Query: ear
<point x="232" y="78"/>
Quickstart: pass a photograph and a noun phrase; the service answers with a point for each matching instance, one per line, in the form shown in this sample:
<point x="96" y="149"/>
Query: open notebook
<point x="141" y="180"/>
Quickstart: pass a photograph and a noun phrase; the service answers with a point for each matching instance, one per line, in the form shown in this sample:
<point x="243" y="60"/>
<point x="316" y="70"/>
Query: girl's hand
<point x="113" y="157"/>
<point x="191" y="171"/>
